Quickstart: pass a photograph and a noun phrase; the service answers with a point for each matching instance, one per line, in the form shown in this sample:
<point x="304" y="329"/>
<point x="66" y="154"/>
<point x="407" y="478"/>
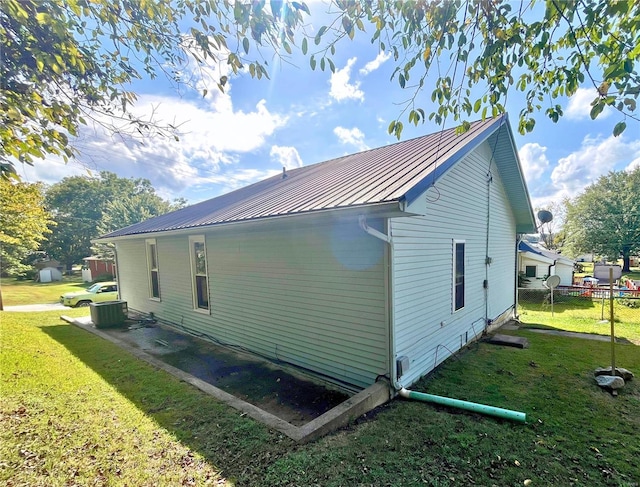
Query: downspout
<point x="517" y="266"/>
<point x="362" y="221"/>
<point x="550" y="266"/>
<point x="397" y="386"/>
<point x="117" y="276"/>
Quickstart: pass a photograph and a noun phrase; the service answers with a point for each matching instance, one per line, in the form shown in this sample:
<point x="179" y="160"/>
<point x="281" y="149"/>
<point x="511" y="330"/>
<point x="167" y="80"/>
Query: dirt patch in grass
<point x="282" y="393"/>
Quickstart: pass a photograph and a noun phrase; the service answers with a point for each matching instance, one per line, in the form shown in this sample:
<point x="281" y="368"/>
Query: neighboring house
<point x="97" y="266"/>
<point x="537" y="264"/>
<point x="585" y="257"/>
<point x="377" y="264"/>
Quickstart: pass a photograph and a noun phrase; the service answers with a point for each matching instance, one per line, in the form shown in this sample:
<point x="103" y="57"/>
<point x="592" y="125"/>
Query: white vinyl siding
<point x="310" y="295"/>
<point x="427" y="329"/>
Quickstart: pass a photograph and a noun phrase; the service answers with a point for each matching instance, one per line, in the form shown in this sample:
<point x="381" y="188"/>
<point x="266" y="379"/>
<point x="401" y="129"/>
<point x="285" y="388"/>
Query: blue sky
<point x="300" y="117"/>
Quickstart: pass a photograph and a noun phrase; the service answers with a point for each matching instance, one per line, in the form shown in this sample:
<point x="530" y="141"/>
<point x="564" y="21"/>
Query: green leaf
<point x="245" y="45"/>
<point x="596" y="109"/>
<point x="312" y="62"/>
<point x="305" y="46"/>
<point x="319" y="35"/>
<point x="619" y="128"/>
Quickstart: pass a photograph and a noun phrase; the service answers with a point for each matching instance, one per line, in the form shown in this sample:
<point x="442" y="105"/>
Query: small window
<point x="530" y="271"/>
<point x="199" y="273"/>
<point x="458" y="275"/>
<point x="152" y="264"/>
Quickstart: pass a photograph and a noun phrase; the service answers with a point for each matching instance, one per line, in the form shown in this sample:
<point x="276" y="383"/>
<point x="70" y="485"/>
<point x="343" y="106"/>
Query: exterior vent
<point x="109" y="314"/>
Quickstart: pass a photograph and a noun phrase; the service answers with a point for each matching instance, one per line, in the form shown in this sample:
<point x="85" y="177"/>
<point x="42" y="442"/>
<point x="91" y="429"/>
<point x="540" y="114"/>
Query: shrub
<point x="103" y="277"/>
<point x="28" y="274"/>
<point x="630" y="303"/>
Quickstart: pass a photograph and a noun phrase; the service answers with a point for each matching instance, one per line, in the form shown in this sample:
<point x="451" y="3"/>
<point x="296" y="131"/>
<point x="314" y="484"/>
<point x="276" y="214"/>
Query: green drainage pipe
<point x="467" y="406"/>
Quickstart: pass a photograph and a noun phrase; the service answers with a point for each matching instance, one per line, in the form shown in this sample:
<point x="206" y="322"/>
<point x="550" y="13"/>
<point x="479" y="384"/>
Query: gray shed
<point x="49" y="274"/>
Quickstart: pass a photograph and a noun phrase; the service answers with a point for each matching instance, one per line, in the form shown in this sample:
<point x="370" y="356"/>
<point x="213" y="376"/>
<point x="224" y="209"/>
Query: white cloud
<point x="534" y="160"/>
<point x="287" y="157"/>
<point x="380" y="59"/>
<point x="51" y="170"/>
<point x="596" y="157"/>
<point x="238" y="178"/>
<point x="633" y="165"/>
<point x="341" y="89"/>
<point x="207" y="151"/>
<point x="204" y="75"/>
<point x="352" y="136"/>
<point x="580" y="105"/>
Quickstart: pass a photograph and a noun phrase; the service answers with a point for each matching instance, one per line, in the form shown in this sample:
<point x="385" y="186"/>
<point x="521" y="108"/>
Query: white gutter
<point x="386" y="237"/>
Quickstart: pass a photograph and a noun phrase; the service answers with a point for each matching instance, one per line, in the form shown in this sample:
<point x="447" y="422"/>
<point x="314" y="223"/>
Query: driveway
<point x="36" y="307"/>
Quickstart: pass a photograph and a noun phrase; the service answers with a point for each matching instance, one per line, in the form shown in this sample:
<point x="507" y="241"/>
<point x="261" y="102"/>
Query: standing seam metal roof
<point x="375" y="176"/>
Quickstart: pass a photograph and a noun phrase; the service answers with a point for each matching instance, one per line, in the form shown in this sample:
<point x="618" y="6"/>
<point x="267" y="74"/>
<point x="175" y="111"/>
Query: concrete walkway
<point x="572" y="334"/>
<point x="30" y="308"/>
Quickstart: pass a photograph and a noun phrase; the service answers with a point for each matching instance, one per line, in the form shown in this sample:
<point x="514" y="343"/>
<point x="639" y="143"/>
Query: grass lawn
<point x="584" y="316"/>
<point x="15" y="293"/>
<point x="76" y="410"/>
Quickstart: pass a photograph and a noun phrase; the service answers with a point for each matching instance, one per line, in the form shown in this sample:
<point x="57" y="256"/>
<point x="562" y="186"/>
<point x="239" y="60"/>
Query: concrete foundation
<point x="355" y="406"/>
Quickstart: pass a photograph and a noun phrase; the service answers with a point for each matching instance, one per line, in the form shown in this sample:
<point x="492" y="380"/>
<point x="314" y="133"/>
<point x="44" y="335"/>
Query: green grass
<point x="15" y="293"/>
<point x="76" y="410"/>
<point x="584" y="316"/>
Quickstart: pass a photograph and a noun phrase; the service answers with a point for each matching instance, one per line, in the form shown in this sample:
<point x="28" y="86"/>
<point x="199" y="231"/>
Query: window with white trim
<point x="458" y="274"/>
<point x="199" y="273"/>
<point x="152" y="266"/>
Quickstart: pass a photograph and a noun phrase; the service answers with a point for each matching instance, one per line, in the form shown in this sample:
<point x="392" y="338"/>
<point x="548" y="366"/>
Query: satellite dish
<point x="545" y="216"/>
<point x="552" y="282"/>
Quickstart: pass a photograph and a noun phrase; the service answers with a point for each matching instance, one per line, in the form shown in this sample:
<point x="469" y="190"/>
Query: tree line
<point x="59" y="221"/>
<point x="604" y="219"/>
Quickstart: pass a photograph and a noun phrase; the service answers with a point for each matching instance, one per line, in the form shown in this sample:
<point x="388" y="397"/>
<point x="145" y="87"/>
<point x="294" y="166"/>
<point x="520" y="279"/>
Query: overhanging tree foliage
<point x="605" y="218"/>
<point x="66" y="61"/>
<point x="545" y="49"/>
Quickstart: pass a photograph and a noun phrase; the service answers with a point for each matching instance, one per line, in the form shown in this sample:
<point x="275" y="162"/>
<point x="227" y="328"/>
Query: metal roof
<point x="388" y="174"/>
<point x="547" y="254"/>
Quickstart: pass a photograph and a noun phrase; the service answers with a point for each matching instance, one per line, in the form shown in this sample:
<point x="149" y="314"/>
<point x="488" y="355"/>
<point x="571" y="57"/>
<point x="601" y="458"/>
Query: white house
<point x="377" y="264"/>
<point x="537" y="264"/>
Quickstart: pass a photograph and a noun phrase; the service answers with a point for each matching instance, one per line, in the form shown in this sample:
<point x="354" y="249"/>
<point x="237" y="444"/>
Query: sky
<point x="301" y="117"/>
